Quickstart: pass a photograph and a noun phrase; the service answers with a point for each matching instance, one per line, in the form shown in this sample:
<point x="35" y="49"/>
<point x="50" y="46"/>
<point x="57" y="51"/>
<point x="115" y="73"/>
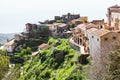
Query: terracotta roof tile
<point x="100" y="32"/>
<point x="91" y="30"/>
<point x="90" y="25"/>
<point x="86" y="26"/>
<point x="42" y="46"/>
<point x="35" y="53"/>
<point x="81" y="26"/>
<point x="9" y="43"/>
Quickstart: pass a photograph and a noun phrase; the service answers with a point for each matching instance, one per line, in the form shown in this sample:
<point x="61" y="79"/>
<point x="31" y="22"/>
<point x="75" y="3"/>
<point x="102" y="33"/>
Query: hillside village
<point x="95" y="38"/>
<point x="90" y="36"/>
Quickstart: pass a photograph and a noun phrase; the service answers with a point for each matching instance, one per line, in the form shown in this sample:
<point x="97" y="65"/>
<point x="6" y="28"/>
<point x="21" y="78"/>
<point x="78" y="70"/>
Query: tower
<point x="113" y="15"/>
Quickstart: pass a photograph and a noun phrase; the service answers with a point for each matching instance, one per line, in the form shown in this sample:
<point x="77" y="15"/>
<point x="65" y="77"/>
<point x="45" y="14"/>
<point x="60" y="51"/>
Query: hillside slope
<point x="59" y="62"/>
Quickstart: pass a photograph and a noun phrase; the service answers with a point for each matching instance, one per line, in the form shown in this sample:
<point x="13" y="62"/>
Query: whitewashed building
<point x="80" y="40"/>
<point x="94" y="40"/>
<point x="102" y="41"/>
<point x="10" y="46"/>
<point x="114" y="17"/>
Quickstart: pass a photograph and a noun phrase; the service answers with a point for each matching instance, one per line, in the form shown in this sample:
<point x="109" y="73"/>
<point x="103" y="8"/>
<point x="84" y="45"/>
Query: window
<point x="92" y="36"/>
<point x="97" y="39"/>
<point x="118" y="31"/>
<point x="114" y="38"/>
<point x="105" y="39"/>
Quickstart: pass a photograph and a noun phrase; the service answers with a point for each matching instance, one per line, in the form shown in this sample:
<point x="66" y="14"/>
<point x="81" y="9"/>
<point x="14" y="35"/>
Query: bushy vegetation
<point x="113" y="72"/>
<point x="107" y="67"/>
<point x="43" y="28"/>
<point x="4" y="64"/>
<point x="14" y="73"/>
<point x="59" y="62"/>
<point x="59" y="21"/>
<point x="33" y="43"/>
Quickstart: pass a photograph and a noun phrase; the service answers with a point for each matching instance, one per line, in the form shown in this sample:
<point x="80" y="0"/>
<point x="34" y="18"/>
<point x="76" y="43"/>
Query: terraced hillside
<point x="59" y="62"/>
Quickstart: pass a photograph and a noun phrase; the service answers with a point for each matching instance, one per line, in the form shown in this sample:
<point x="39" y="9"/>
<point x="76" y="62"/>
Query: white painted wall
<point x="9" y="48"/>
<point x="94" y="44"/>
<point x="115" y="15"/>
<point x="102" y="46"/>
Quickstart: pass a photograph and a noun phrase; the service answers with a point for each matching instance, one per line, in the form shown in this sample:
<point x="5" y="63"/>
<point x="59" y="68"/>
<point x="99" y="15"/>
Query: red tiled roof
<point x="100" y="32"/>
<point x="81" y="26"/>
<point x="91" y="30"/>
<point x="35" y="53"/>
<point x="42" y="46"/>
<point x="9" y="43"/>
<point x="90" y="25"/>
<point x="86" y="25"/>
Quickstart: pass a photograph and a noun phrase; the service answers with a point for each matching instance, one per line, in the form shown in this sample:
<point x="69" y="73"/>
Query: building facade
<point x="68" y="17"/>
<point x="79" y="20"/>
<point x="113" y="15"/>
<point x="103" y="41"/>
<point x="30" y="27"/>
<point x="10" y="46"/>
<point x="79" y="39"/>
<point x="88" y="38"/>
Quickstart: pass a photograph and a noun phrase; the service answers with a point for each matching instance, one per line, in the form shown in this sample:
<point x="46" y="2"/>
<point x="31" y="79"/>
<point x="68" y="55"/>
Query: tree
<point x="14" y="73"/>
<point x="23" y="52"/>
<point x="113" y="72"/>
<point x="3" y="52"/>
<point x="4" y="64"/>
<point x="28" y="50"/>
<point x="102" y="61"/>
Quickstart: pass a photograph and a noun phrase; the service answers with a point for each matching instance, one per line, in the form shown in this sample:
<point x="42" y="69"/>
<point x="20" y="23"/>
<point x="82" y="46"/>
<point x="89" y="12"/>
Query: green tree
<point x="23" y="52"/>
<point x="29" y="50"/>
<point x="4" y="64"/>
<point x="114" y="66"/>
<point x="14" y="73"/>
<point x="3" y="52"/>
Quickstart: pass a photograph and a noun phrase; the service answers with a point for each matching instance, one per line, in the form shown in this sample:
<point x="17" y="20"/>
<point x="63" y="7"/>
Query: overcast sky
<point x="14" y="14"/>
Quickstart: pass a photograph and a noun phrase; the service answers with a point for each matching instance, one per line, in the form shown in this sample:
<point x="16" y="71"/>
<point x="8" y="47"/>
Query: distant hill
<point x="4" y="37"/>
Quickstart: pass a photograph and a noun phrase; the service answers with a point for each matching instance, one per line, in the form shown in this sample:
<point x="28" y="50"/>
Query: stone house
<point x="80" y="37"/>
<point x="30" y="27"/>
<point x="40" y="48"/>
<point x="113" y="16"/>
<point x="94" y="40"/>
<point x="102" y="41"/>
<point x="84" y="27"/>
<point x="35" y="53"/>
<point x="68" y="17"/>
<point x="10" y="46"/>
<point x="79" y="20"/>
<point x="59" y="29"/>
<point x="37" y="30"/>
<point x="18" y="37"/>
<point x="43" y="46"/>
<point x="99" y="23"/>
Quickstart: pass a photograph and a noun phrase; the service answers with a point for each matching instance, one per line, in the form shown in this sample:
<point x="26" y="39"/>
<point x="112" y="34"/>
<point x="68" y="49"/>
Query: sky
<point x="14" y="14"/>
